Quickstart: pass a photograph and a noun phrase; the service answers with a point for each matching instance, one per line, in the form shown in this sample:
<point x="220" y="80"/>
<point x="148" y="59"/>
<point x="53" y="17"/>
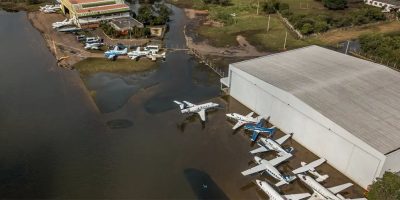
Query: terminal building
<point x="341" y="108"/>
<point x="89" y="13"/>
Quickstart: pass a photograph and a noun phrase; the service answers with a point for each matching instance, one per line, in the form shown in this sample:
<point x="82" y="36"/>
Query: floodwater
<point x="56" y="143"/>
<point x="180" y="76"/>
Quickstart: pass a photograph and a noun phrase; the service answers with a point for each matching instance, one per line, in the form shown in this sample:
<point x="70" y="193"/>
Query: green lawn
<point x="94" y="65"/>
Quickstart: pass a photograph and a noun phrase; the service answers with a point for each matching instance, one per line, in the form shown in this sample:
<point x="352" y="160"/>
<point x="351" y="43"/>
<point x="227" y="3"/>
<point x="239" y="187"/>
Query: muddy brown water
<point x="56" y="143"/>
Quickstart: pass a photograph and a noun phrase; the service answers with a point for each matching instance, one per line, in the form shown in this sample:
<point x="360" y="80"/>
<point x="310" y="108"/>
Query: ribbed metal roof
<point x="360" y="96"/>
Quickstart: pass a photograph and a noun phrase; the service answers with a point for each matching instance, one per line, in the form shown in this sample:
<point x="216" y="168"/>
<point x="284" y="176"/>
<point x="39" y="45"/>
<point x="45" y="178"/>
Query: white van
<point x="154" y="49"/>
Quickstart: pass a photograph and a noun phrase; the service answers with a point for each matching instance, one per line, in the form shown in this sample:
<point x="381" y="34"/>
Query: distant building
<point x="89" y="13"/>
<point x="341" y="108"/>
<point x="386" y="5"/>
<point x="123" y="25"/>
<point x="157" y="31"/>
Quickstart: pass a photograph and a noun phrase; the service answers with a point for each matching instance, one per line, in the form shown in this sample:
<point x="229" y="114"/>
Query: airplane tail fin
<point x="254" y="136"/>
<point x="287" y="180"/>
<point x="181" y="105"/>
<point x="322" y="178"/>
<point x="289" y="149"/>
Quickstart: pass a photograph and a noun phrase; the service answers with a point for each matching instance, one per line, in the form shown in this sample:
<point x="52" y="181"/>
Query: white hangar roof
<point x="360" y="96"/>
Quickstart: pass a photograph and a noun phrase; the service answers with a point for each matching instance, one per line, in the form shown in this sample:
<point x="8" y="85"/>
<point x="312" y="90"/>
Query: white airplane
<point x="321" y="192"/>
<point x="151" y="54"/>
<point x="187" y="107"/>
<point x="66" y="22"/>
<point x="311" y="169"/>
<point x="138" y="53"/>
<point x="50" y="8"/>
<point x="154" y="57"/>
<point x="113" y="54"/>
<point x="274" y="195"/>
<point x="241" y="120"/>
<point x="269" y="167"/>
<point x="268" y="144"/>
<point x="94" y="46"/>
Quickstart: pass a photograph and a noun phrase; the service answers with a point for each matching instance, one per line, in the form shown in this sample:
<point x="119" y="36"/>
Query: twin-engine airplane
<point x="113" y="54"/>
<point x="187" y="107"/>
<point x="268" y="144"/>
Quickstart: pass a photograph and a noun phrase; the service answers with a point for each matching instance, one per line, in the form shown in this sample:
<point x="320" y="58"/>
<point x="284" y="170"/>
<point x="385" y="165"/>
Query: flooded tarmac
<point x="56" y="143"/>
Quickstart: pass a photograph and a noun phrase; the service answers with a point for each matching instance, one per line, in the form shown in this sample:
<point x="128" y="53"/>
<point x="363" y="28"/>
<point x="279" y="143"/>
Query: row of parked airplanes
<point x="256" y="125"/>
<point x="50" y="8"/>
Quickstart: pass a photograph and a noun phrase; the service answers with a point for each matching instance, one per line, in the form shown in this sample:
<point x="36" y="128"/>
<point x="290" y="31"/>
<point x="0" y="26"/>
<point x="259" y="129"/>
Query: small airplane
<point x="66" y="22"/>
<point x="50" y="8"/>
<point x="259" y="128"/>
<point x="94" y="46"/>
<point x="273" y="194"/>
<point x="113" y="54"/>
<point x="268" y="144"/>
<point x="151" y="54"/>
<point x="187" y="107"/>
<point x="324" y="193"/>
<point x="310" y="167"/>
<point x="138" y="53"/>
<point x="269" y="167"/>
<point x="241" y="120"/>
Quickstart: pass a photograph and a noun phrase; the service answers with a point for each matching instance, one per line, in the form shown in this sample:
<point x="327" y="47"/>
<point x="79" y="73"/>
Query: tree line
<point x="308" y="24"/>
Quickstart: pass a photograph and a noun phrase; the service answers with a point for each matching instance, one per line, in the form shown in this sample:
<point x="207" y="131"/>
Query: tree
<point x="321" y="26"/>
<point x="307" y="29"/>
<point x="385" y="188"/>
<point x="335" y="4"/>
<point x="145" y="14"/>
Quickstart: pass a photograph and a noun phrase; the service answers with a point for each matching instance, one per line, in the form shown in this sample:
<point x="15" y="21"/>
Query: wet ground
<point x="56" y="143"/>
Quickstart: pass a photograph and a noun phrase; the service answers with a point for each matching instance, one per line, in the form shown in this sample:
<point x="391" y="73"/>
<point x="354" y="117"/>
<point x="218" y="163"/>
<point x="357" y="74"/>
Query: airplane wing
<point x="339" y="188"/>
<point x="238" y="124"/>
<point x="255" y="169"/>
<point x="250" y="114"/>
<point x="309" y="166"/>
<point x="279" y="159"/>
<point x="281" y="140"/>
<point x="133" y="57"/>
<point x="202" y="114"/>
<point x="189" y="104"/>
<point x="297" y="196"/>
<point x="111" y="56"/>
<point x="259" y="150"/>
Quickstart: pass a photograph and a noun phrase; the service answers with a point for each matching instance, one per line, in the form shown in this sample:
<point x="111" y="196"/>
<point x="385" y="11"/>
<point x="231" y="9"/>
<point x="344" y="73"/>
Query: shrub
<point x="387" y="187"/>
<point x="335" y="4"/>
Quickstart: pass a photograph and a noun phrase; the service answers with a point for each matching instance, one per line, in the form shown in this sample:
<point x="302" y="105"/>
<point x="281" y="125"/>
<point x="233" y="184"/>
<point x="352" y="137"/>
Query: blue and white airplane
<point x="259" y="128"/>
<point x="113" y="54"/>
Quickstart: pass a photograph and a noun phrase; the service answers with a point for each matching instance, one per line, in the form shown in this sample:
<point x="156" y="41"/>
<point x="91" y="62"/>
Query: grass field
<point x="121" y="66"/>
<point x="334" y="37"/>
<point x="254" y="27"/>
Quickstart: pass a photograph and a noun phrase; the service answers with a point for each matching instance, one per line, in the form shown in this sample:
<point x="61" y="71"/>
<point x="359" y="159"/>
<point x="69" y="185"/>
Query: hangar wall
<point x="345" y="152"/>
<point x="392" y="162"/>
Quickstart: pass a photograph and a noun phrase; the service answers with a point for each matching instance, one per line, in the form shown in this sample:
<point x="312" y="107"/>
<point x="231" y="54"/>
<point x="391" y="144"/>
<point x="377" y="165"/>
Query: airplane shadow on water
<point x="194" y="118"/>
<point x="203" y="185"/>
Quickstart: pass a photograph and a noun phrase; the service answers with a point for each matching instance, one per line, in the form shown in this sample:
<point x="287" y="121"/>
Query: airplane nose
<point x="229" y="115"/>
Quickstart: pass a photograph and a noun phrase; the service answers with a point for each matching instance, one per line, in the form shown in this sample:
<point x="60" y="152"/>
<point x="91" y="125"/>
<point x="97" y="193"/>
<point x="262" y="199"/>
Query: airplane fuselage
<point x="252" y="127"/>
<point x="198" y="108"/>
<point x="271" y="170"/>
<point x="239" y="117"/>
<point x="317" y="188"/>
<point x="272" y="194"/>
<point x="271" y="144"/>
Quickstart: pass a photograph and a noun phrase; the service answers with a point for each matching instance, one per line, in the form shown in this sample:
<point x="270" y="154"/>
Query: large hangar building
<point x="344" y="109"/>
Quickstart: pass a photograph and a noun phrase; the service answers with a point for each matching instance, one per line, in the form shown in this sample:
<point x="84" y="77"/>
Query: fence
<point x="376" y="59"/>
<point x="208" y="62"/>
